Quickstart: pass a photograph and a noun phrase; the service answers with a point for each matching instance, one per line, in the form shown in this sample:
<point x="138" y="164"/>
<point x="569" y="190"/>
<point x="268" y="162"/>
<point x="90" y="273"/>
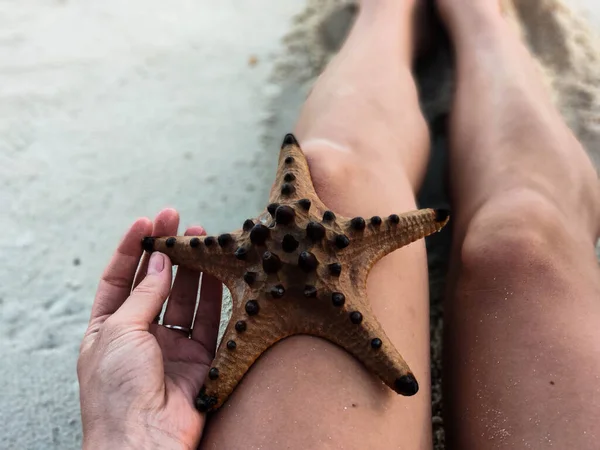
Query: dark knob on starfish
<point x="241" y="253"/>
<point x="289" y="243"/>
<point x="252" y="307"/>
<point x="248" y="225"/>
<point x="328" y="216"/>
<point x="240" y="326"/>
<point x="376" y="343"/>
<point x="289" y="139"/>
<point x="209" y="241"/>
<point x="289" y="177"/>
<point x="310" y="291"/>
<point x="284" y="215"/>
<point x="376" y="221"/>
<point x="335" y="269"/>
<point x="358" y="224"/>
<point x="259" y="234"/>
<point x="231" y="345"/>
<point x="305" y="204"/>
<point x="250" y="278"/>
<point x="195" y="242"/>
<point x="441" y="215"/>
<point x="287" y="189"/>
<point x="356" y="317"/>
<point x="171" y="242"/>
<point x="213" y="373"/>
<point x="271" y="262"/>
<point x="277" y="291"/>
<point x="315" y="231"/>
<point x="338" y="299"/>
<point x="225" y="240"/>
<point x="342" y="241"/>
<point x="307" y="262"/>
<point x="205" y="403"/>
<point x="395" y="219"/>
<point x="272" y="208"/>
<point x="406" y="385"/>
<point x="148" y="244"/>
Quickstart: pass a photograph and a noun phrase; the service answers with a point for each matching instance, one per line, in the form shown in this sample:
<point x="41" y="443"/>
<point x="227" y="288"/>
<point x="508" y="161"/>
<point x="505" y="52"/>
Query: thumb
<point x="147" y="299"/>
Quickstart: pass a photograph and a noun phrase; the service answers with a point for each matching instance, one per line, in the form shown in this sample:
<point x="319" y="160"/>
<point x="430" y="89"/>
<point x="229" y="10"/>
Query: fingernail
<point x="156" y="264"/>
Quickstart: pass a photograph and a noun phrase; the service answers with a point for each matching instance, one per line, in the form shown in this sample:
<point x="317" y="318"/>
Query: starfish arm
<point x="358" y="332"/>
<point x="376" y="238"/>
<point x="293" y="180"/>
<point x="204" y="254"/>
<point x="247" y="337"/>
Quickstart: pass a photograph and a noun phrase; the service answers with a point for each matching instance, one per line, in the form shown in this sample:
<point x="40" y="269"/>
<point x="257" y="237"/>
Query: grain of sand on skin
<point x="565" y="46"/>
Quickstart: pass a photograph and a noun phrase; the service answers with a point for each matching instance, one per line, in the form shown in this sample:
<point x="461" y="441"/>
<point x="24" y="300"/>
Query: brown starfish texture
<point x="299" y="269"/>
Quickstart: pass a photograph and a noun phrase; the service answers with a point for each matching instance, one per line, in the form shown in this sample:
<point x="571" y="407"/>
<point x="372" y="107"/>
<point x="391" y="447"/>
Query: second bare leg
<point x="523" y="346"/>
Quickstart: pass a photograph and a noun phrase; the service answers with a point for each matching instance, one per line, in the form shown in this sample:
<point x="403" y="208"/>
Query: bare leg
<point x="523" y="342"/>
<point x="367" y="146"/>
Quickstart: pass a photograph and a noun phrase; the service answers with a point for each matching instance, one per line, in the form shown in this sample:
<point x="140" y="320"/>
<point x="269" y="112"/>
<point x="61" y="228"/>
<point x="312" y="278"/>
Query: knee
<point x="520" y="230"/>
<point x="344" y="177"/>
<point x="333" y="168"/>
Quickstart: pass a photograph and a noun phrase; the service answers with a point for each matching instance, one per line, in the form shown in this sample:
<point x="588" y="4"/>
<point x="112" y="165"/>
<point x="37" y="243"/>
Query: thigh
<point x="307" y="393"/>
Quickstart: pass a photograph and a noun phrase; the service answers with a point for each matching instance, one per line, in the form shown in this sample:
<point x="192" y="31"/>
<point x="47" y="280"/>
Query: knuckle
<point x="151" y="289"/>
<point x="117" y="280"/>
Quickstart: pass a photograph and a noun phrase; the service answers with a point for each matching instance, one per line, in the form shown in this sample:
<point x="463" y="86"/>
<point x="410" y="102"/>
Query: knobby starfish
<point x="299" y="269"/>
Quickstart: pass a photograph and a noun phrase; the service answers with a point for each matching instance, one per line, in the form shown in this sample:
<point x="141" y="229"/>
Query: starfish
<point x="299" y="268"/>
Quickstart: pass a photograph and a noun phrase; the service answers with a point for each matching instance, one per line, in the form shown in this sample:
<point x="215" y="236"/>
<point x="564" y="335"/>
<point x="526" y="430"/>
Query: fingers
<point x="117" y="279"/>
<point x="147" y="298"/>
<point x="182" y="302"/>
<point x="208" y="316"/>
<point x="166" y="223"/>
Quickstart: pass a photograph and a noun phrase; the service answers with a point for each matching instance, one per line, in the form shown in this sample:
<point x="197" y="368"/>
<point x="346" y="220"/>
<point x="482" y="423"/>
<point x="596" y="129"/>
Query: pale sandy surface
<point x="108" y="111"/>
<point x="111" y="110"/>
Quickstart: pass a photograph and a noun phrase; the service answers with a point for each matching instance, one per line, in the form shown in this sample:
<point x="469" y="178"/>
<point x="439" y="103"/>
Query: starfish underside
<point x="299" y="269"/>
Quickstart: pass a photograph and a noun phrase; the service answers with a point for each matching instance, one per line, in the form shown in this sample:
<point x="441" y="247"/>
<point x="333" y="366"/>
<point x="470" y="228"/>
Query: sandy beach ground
<point x="109" y="111"/>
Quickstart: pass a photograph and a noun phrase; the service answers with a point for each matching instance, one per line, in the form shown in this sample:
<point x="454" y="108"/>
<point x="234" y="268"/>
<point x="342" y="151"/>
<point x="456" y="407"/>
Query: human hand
<point x="138" y="379"/>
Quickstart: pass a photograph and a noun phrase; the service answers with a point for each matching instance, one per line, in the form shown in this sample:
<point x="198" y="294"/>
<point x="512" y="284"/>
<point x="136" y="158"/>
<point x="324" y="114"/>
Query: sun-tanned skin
<point x="522" y="338"/>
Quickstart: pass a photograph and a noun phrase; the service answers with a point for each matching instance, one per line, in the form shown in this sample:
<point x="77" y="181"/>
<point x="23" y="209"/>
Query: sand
<point x="108" y="111"/>
<point x="113" y="110"/>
